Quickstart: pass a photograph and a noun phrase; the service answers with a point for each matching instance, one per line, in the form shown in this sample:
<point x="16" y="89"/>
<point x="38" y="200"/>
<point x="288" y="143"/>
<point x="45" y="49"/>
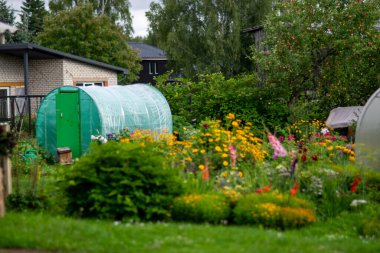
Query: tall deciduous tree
<point x="202" y="35"/>
<point x="79" y="32"/>
<point x="117" y="10"/>
<point x="6" y="13"/>
<point x="327" y="51"/>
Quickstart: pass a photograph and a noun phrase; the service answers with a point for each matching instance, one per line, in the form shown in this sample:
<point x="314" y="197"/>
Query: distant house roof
<point x="252" y="29"/>
<point x="148" y="52"/>
<point x="39" y="52"/>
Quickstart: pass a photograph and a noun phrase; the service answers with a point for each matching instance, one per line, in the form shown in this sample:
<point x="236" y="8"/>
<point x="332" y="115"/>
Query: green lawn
<point x="60" y="234"/>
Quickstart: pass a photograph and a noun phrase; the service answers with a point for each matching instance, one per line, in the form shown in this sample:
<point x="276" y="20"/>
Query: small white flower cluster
<point x="358" y="202"/>
<point x="98" y="138"/>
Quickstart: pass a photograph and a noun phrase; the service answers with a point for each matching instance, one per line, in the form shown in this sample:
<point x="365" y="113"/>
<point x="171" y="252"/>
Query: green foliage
<point x="28" y="165"/>
<point x="273" y="210"/>
<point x="369" y="226"/>
<point x="121" y="181"/>
<point x="117" y="10"/>
<point x="203" y="36"/>
<point x="321" y="51"/>
<point x="210" y="208"/>
<point x="215" y="96"/>
<point x="79" y="32"/>
<point x="32" y="18"/>
<point x="6" y="13"/>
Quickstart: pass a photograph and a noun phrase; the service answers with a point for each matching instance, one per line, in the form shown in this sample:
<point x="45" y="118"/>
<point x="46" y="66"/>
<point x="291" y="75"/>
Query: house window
<point x="86" y="84"/>
<point x="152" y="68"/>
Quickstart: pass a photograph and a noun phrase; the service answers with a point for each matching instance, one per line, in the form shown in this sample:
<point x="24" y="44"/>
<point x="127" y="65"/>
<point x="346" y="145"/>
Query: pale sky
<point x="138" y="9"/>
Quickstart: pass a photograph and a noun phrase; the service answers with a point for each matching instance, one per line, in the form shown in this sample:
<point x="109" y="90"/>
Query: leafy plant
<point x="121" y="181"/>
<point x="211" y="208"/>
<point x="273" y="210"/>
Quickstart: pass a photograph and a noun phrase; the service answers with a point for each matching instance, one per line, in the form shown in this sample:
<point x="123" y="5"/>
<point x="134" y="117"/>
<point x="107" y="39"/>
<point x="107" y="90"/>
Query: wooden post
<point x="5" y="175"/>
<point x="2" y="195"/>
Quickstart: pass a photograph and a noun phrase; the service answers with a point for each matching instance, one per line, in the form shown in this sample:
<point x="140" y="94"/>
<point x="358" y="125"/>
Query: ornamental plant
<point x="273" y="210"/>
<point x="210" y="208"/>
<point x="121" y="181"/>
<point x="220" y="147"/>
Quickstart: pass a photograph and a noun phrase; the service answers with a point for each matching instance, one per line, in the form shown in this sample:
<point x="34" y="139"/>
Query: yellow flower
<point x="329" y="148"/>
<point x="218" y="149"/>
<point x="240" y="174"/>
<point x="235" y="123"/>
<point x="175" y="132"/>
<point x="188" y="159"/>
<point x="352" y="158"/>
<point x="225" y="163"/>
<point x="195" y="150"/>
<point x="210" y="140"/>
<point x="201" y="167"/>
<point x="224" y="155"/>
<point x="203" y="151"/>
<point x="230" y="116"/>
<point x="184" y="128"/>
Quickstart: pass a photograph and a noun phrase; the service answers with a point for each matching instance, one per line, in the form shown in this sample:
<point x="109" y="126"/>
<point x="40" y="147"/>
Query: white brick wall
<point x="48" y="74"/>
<point x="45" y="75"/>
<point x="77" y="71"/>
<point x="11" y="69"/>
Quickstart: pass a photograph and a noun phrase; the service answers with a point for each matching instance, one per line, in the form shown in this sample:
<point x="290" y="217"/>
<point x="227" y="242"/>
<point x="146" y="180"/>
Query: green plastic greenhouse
<point x="69" y="115"/>
<point x="368" y="134"/>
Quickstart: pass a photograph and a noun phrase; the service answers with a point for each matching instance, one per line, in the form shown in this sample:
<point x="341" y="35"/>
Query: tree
<point x="6" y="13"/>
<point x="32" y="18"/>
<point x="79" y="32"/>
<point x="202" y="36"/>
<point x="117" y="10"/>
<point x="321" y="51"/>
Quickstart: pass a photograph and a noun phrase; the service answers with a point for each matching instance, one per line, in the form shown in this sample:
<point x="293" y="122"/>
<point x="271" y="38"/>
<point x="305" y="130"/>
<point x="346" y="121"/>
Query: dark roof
<point x="253" y="29"/>
<point x="39" y="52"/>
<point x="148" y="52"/>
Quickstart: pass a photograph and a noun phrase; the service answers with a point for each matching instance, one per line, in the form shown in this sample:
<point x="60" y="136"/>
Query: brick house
<point x="153" y="62"/>
<point x="35" y="70"/>
<point x="28" y="69"/>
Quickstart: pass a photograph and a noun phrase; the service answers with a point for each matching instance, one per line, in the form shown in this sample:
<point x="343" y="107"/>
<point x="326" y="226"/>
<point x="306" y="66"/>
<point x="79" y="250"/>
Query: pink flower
<point x="279" y="150"/>
<point x="290" y="137"/>
<point x="233" y="155"/>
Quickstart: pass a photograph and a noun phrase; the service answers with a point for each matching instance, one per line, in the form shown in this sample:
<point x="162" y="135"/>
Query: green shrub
<point x="273" y="210"/>
<point x="369" y="226"/>
<point x="122" y="181"/>
<point x="210" y="208"/>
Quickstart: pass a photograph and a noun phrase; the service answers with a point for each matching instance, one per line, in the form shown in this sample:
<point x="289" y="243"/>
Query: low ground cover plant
<point x="200" y="208"/>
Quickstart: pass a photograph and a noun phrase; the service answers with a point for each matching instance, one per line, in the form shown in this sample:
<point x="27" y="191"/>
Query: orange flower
<point x="205" y="174"/>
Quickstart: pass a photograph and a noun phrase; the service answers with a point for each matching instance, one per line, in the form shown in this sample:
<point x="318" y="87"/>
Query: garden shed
<point x="69" y="115"/>
<point x="368" y="133"/>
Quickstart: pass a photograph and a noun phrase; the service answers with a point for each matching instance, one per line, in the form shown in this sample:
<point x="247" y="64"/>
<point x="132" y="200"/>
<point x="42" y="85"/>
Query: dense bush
<point x="273" y="210"/>
<point x="122" y="181"/>
<point x="211" y="208"/>
<point x="215" y="96"/>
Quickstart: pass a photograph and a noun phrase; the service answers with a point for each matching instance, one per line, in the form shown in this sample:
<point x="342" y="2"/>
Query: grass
<point x="61" y="234"/>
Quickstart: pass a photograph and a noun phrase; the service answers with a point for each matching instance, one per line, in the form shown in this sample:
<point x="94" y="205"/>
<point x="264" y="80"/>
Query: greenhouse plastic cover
<point x="137" y="106"/>
<point x="343" y="116"/>
<point x="368" y="134"/>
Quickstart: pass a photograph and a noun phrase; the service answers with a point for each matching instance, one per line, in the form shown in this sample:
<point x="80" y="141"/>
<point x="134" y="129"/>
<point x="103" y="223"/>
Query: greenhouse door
<point x="68" y="127"/>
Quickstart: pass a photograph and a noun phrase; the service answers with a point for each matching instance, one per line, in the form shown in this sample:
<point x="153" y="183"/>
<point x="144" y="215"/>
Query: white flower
<point x="357" y="202"/>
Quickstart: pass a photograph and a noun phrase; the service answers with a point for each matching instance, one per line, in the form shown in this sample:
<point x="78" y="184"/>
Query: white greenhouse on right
<point x="368" y="134"/>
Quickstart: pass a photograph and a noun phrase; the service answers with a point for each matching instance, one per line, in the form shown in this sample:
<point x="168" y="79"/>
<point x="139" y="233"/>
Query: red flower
<point x="356" y="183"/>
<point x="294" y="190"/>
<point x="305" y="150"/>
<point x="314" y="157"/>
<point x="303" y="158"/>
<point x="299" y="151"/>
<point x="263" y="189"/>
